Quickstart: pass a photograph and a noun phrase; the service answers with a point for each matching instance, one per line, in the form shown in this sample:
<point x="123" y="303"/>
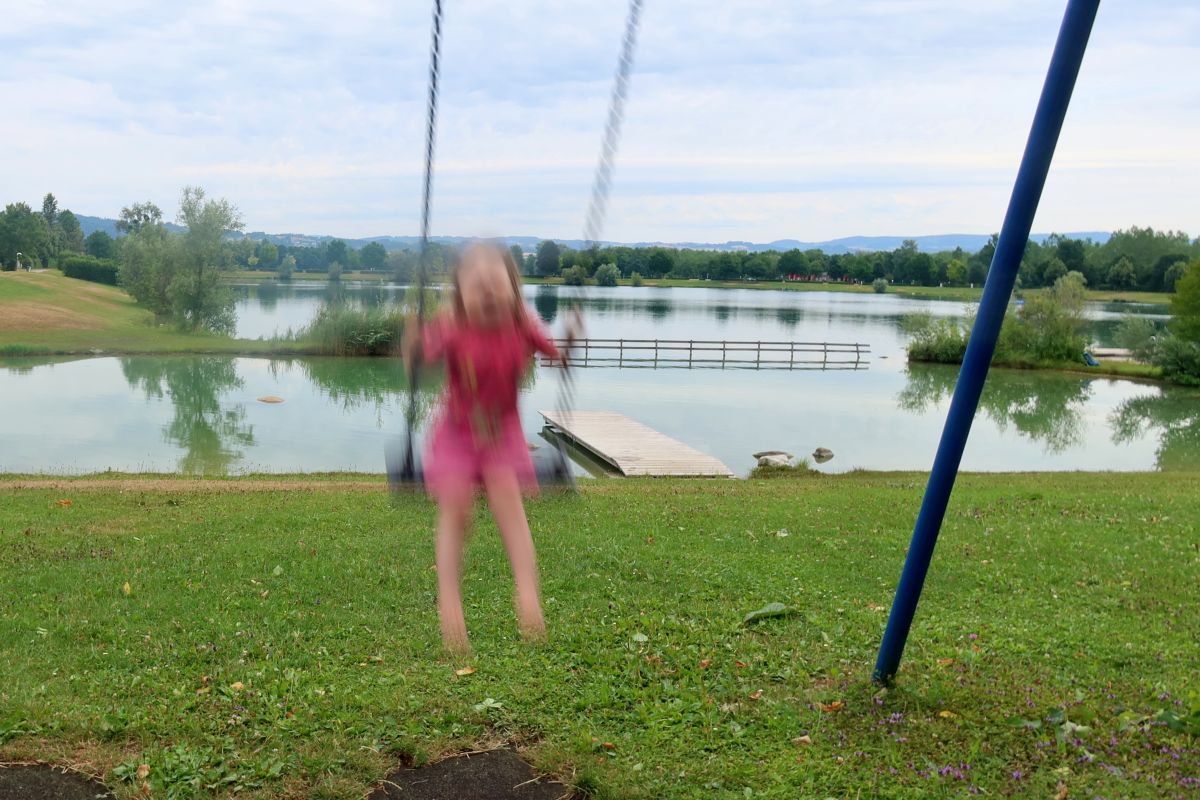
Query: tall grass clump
<point x="1046" y="329"/>
<point x="346" y="330"/>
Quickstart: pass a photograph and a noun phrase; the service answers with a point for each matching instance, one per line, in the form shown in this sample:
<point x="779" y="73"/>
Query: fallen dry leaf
<point x="127" y="589"/>
<point x="705" y="663"/>
<point x="757" y="693"/>
<point x="64" y="503"/>
<point x="945" y="662"/>
<point x="1063" y="792"/>
<point x="829" y="708"/>
<point x="805" y="739"/>
<point x="143" y="771"/>
<point x="947" y="714"/>
<point x="465" y="671"/>
<point x="608" y="746"/>
<point x="740" y="664"/>
<point x="237" y="686"/>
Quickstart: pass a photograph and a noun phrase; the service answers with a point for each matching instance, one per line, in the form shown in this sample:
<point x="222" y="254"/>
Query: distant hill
<point x="971" y="242"/>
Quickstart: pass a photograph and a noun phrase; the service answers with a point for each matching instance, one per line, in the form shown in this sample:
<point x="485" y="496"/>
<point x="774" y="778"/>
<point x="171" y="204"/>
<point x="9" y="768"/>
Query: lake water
<point x="200" y="414"/>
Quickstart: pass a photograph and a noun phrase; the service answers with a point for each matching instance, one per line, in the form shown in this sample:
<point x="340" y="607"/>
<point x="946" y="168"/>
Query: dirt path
<point x="191" y="485"/>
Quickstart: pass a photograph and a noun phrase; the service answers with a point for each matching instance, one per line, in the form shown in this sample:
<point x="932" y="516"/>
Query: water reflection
<point x="1173" y="416"/>
<point x="1045" y="407"/>
<point x="788" y="317"/>
<point x="545" y="301"/>
<point x="268" y="295"/>
<point x="658" y="309"/>
<point x="379" y="383"/>
<point x="211" y="434"/>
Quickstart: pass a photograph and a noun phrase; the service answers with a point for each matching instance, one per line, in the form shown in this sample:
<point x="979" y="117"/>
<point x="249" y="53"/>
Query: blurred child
<point x="487" y="339"/>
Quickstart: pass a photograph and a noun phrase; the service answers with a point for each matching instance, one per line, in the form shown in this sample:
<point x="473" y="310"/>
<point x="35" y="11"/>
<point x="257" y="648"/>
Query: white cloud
<point x="751" y="120"/>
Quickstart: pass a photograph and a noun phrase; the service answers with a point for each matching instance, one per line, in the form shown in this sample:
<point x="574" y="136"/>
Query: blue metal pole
<point x="1031" y="178"/>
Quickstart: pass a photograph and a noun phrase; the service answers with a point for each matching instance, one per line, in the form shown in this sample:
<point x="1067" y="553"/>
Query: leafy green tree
<point x="1145" y="247"/>
<point x="549" y="256"/>
<point x="50" y="210"/>
<point x="518" y="256"/>
<point x="70" y="233"/>
<point x="373" y="256"/>
<point x="335" y="271"/>
<point x="1185" y="305"/>
<point x="607" y="275"/>
<point x="956" y="272"/>
<point x="660" y="263"/>
<point x="268" y="255"/>
<point x="198" y="297"/>
<point x="793" y="262"/>
<point x="981" y="262"/>
<point x="336" y="250"/>
<point x="137" y="216"/>
<point x="1054" y="269"/>
<point x="286" y="268"/>
<point x="574" y="276"/>
<point x="1121" y="274"/>
<point x="23" y="231"/>
<point x="99" y="244"/>
<point x="150" y="260"/>
<point x="1172" y="276"/>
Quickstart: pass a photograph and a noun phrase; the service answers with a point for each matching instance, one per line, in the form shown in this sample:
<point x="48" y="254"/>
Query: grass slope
<point x="278" y="641"/>
<point x="48" y="313"/>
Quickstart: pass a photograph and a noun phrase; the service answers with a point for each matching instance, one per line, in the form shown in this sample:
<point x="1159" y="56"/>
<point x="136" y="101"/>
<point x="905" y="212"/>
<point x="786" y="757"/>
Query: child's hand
<point x="573" y="327"/>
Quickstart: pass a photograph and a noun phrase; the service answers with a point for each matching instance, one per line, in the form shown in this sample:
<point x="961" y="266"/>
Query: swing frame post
<point x="1031" y="179"/>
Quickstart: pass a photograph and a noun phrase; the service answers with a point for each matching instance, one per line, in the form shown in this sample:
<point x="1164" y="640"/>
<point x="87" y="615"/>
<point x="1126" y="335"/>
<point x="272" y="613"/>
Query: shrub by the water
<point x="1179" y="359"/>
<point x="1185" y="305"/>
<point x="574" y="276"/>
<point x="356" y="331"/>
<point x="1046" y="329"/>
<point x="635" y="279"/>
<point x="1137" y="335"/>
<point x="90" y="268"/>
<point x="607" y="275"/>
<point x="940" y="341"/>
<point x="879" y="285"/>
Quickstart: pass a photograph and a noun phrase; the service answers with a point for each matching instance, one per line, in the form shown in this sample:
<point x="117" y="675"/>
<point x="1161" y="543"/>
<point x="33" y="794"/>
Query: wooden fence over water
<point x="715" y="354"/>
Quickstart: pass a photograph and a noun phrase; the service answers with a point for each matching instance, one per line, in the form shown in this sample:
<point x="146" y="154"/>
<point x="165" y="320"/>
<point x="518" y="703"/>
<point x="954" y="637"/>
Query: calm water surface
<point x="200" y="414"/>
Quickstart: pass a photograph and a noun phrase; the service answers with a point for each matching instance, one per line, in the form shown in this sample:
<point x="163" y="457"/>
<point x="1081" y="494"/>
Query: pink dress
<point x="477" y="427"/>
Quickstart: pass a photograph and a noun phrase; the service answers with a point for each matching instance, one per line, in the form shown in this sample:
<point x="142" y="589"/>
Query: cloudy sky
<point x="748" y="120"/>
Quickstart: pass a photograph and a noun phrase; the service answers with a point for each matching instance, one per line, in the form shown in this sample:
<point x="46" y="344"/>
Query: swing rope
<point x="593" y="224"/>
<point x="602" y="183"/>
<point x="435" y="52"/>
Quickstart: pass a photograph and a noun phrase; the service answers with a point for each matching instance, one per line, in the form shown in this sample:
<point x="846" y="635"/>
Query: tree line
<point x="1135" y="258"/>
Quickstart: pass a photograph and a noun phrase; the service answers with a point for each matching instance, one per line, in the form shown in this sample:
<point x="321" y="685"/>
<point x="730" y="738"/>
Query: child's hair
<point x="510" y="265"/>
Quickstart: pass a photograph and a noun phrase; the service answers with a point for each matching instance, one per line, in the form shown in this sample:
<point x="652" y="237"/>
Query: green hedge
<point x="90" y="268"/>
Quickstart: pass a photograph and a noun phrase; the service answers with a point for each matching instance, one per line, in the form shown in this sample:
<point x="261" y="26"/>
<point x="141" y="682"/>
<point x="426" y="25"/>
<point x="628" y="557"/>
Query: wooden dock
<point x="633" y="448"/>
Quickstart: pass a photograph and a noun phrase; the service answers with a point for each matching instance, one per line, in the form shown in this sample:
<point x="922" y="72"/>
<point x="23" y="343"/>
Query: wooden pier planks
<point x="632" y="448"/>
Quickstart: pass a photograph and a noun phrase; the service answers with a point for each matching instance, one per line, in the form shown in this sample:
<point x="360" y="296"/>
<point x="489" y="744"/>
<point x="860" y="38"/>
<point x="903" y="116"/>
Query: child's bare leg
<point x="504" y="497"/>
<point x="454" y="517"/>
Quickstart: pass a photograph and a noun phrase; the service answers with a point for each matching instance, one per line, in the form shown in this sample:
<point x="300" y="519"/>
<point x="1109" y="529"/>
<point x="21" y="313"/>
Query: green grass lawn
<point x="46" y="313"/>
<point x="281" y="641"/>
